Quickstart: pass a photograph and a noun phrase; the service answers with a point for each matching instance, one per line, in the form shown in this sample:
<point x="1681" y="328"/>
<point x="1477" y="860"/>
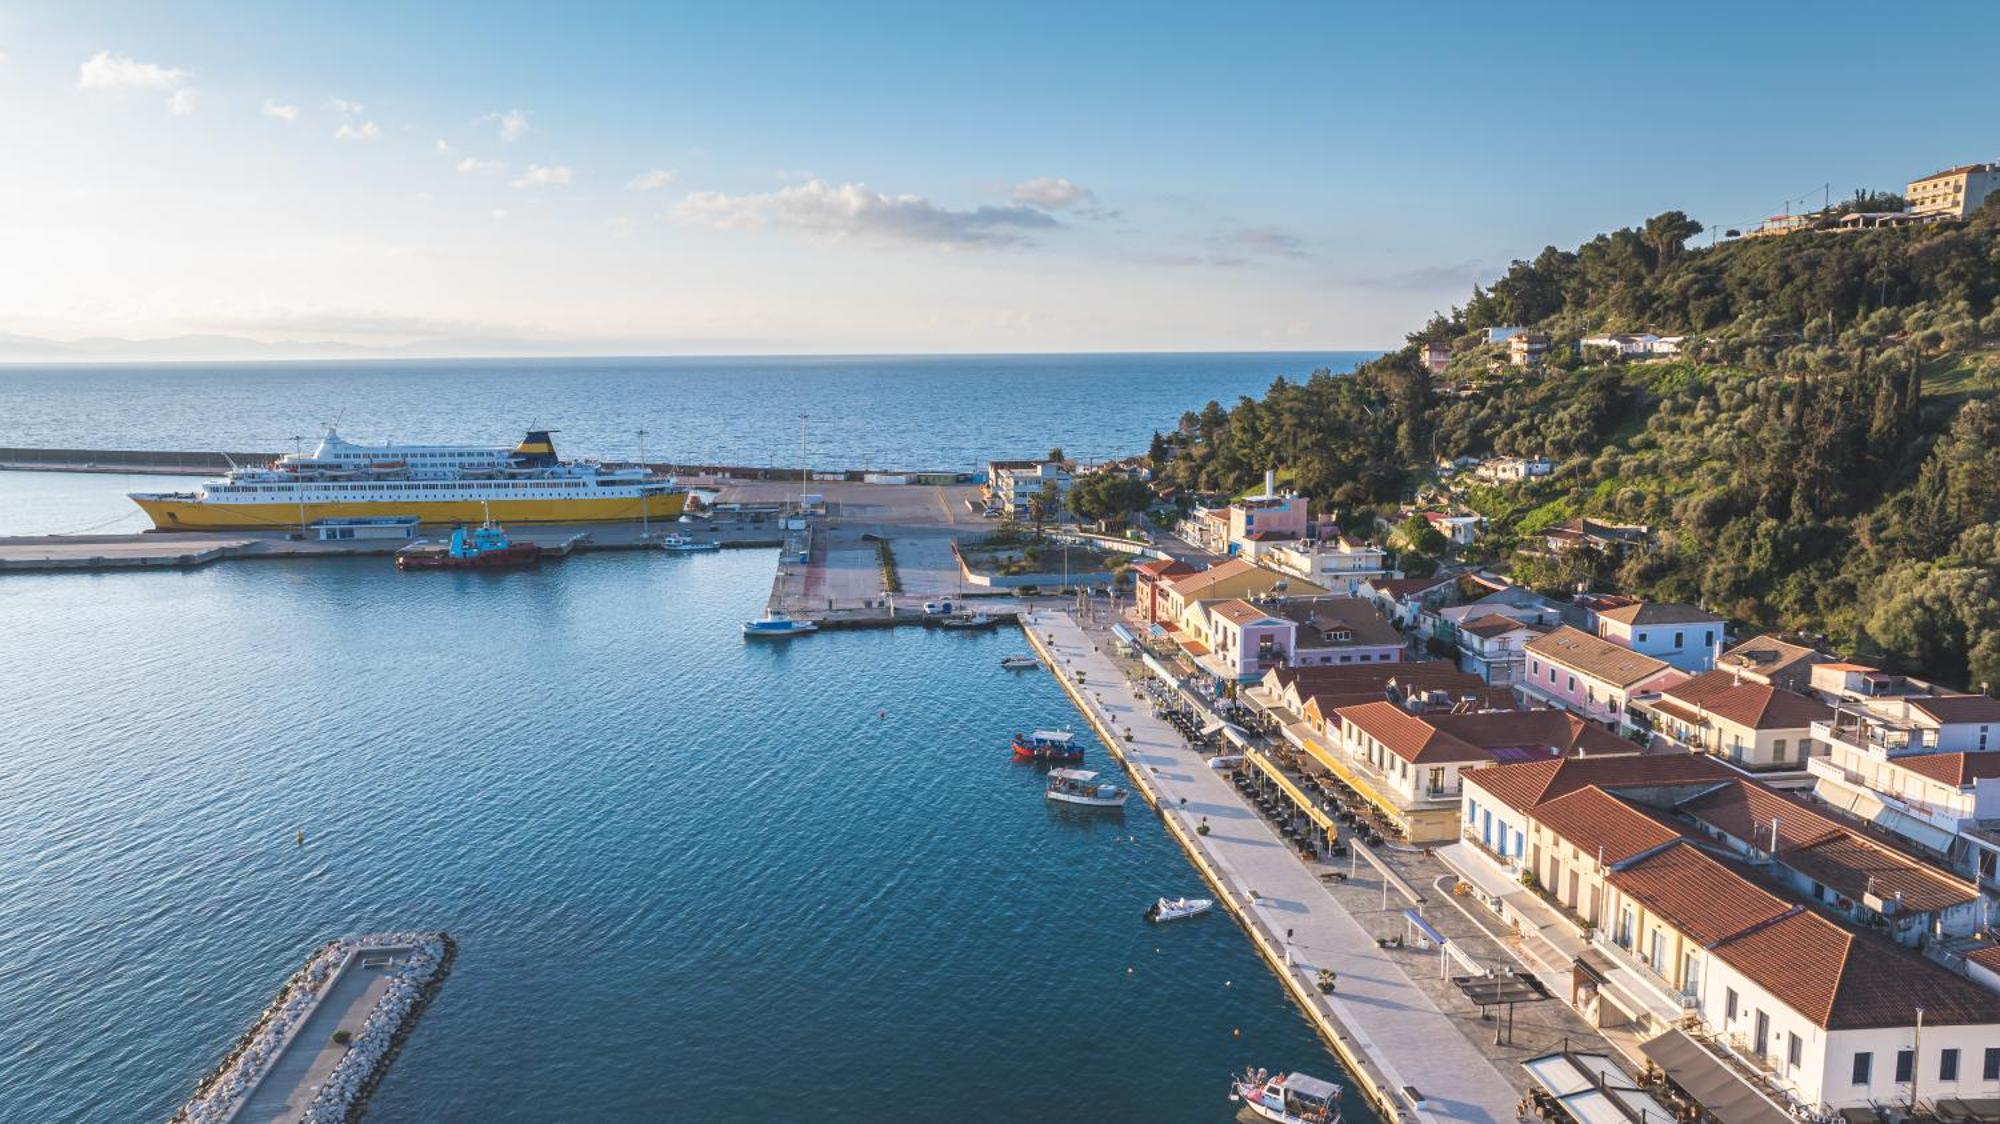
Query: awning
<point x="1705" y="1077"/>
<point x="1594" y="1090"/>
<point x="1424" y="927"/>
<point x="1473" y="866"/>
<point x="1122" y="633"/>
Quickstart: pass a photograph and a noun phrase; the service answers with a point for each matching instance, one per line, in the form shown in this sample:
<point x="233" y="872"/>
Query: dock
<point x="1411" y="1057"/>
<point x="319" y="1050"/>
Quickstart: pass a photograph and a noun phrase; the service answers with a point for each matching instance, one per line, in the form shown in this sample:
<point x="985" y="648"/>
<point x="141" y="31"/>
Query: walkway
<point x="1408" y="1043"/>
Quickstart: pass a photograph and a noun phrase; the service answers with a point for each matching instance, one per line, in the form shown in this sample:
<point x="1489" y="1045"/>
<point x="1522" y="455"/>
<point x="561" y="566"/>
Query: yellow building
<point x="1223" y="581"/>
<point x="1954" y="192"/>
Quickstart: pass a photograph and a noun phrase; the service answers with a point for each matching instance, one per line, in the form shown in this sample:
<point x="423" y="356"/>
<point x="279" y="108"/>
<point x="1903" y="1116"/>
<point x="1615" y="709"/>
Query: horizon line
<point x="80" y="361"/>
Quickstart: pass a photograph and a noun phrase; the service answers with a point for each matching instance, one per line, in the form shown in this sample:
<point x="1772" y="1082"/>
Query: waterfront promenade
<point x="1408" y="1050"/>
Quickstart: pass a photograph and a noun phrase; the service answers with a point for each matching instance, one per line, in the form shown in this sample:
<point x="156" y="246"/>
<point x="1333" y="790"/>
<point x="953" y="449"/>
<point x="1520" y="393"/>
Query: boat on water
<point x="676" y="543"/>
<point x="776" y="625"/>
<point x="1079" y="786"/>
<point x="1020" y="663"/>
<point x="966" y="620"/>
<point x="340" y="479"/>
<point x="1175" y="909"/>
<point x="485" y="547"/>
<point x="1047" y="745"/>
<point x="1289" y="1098"/>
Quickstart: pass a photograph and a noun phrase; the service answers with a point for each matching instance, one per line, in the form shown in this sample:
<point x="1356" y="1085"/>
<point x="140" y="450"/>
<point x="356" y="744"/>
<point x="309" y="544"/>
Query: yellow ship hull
<point x="197" y="515"/>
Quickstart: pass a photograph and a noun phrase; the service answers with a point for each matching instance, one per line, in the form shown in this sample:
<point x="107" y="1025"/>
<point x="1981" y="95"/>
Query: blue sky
<point x="796" y="178"/>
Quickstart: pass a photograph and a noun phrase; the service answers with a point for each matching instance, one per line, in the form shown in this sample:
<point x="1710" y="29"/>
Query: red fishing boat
<point x="1054" y="746"/>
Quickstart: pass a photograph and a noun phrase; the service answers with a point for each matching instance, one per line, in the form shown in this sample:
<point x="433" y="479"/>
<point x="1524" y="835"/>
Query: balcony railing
<point x="1685" y="1000"/>
<point x="1938" y="816"/>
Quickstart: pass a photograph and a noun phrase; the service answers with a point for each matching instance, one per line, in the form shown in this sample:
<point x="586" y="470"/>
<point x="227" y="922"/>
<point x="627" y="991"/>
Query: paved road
<point x="1393" y="1021"/>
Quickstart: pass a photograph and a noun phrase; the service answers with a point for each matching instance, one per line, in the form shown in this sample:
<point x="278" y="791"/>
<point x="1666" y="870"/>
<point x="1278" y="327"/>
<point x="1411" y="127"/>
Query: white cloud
<point x="280" y="111"/>
<point x="346" y="108"/>
<point x="1052" y="193"/>
<point x="366" y="131"/>
<point x="475" y="166"/>
<point x="513" y="124"/>
<point x="4" y="60"/>
<point x="444" y="147"/>
<point x="499" y="213"/>
<point x="544" y="175"/>
<point x="106" y="71"/>
<point x="852" y="209"/>
<point x="650" y="181"/>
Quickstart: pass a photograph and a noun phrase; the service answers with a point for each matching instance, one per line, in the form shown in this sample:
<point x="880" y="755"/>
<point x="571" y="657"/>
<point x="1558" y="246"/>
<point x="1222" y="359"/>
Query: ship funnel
<point x="536" y="448"/>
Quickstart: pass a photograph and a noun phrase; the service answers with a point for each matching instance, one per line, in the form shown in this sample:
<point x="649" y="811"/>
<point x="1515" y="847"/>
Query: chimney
<point x="1270" y="483"/>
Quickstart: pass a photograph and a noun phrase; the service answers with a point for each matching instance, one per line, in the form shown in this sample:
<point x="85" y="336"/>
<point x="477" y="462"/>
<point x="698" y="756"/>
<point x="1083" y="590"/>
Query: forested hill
<point x="1823" y="458"/>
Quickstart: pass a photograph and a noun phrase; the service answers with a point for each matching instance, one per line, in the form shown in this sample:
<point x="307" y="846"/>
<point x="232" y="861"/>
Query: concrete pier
<point x="1409" y="1056"/>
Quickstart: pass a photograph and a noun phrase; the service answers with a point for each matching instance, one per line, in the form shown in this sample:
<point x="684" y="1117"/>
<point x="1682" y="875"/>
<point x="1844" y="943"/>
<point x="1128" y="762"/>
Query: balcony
<point x="1685" y="1000"/>
<point x="1935" y="815"/>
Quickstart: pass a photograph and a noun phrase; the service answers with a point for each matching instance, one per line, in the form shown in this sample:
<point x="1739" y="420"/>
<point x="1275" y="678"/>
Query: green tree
<point x="1105" y="496"/>
<point x="1044" y="505"/>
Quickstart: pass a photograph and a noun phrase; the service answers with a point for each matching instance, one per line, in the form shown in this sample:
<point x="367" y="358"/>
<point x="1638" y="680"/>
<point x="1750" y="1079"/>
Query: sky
<point x="497" y="178"/>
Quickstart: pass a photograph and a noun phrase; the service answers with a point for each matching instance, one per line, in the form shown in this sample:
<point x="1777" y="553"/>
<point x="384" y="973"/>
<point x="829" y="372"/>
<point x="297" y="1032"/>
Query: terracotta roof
<point x="1842" y="980"/>
<point x="1848" y="667"/>
<point x="1987" y="958"/>
<point x="1319" y="617"/>
<point x="1599" y="659"/>
<point x="1164" y="567"/>
<point x="1375" y="677"/>
<point x="1743" y="809"/>
<point x="1767" y="654"/>
<point x="1528" y="784"/>
<point x="1854" y="867"/>
<point x="1962" y="169"/>
<point x="1756" y="705"/>
<point x="1192" y="586"/>
<point x="1958" y="770"/>
<point x="1699" y="894"/>
<point x="1659" y="612"/>
<point x="1269" y="536"/>
<point x="1408" y="736"/>
<point x="1542" y="733"/>
<point x="1491" y="625"/>
<point x="1598" y="823"/>
<point x="1949" y="709"/>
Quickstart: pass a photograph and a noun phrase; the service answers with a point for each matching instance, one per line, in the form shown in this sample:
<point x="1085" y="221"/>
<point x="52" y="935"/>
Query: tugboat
<point x="486" y="547"/>
<point x="1054" y="746"/>
<point x="1289" y="1098"/>
<point x="1079" y="786"/>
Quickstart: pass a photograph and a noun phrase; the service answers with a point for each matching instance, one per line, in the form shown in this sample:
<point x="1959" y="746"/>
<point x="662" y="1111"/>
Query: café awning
<point x="1706" y="1078"/>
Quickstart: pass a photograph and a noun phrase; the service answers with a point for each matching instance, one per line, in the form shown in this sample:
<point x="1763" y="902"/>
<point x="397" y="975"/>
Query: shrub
<point x="342" y="1037"/>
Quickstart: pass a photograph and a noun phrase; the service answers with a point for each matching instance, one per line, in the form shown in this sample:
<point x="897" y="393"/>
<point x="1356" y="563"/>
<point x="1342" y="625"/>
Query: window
<point x="1677" y="639"/>
<point x="1992" y="1063"/>
<point x="1906" y="1066"/>
<point x="1795" y="1050"/>
<point x="1729" y="1005"/>
<point x="1642" y="638"/>
<point x="1863" y="1063"/>
<point x="1948" y="1065"/>
<point x="1778" y="748"/>
<point x="1572" y="682"/>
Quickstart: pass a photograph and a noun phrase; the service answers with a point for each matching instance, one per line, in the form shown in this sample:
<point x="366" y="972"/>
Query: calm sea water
<point x="936" y="412"/>
<point x="692" y="879"/>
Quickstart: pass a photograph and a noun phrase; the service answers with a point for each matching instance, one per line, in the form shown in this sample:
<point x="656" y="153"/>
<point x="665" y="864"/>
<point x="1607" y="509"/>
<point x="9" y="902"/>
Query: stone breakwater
<point x="222" y="1093"/>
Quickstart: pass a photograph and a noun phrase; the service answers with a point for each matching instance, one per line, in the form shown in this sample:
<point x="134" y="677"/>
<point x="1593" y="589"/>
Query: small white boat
<point x="1020" y="663"/>
<point x="968" y="620"/>
<point x="1174" y="909"/>
<point x="1079" y="786"/>
<point x="677" y="543"/>
<point x="775" y="625"/>
<point x="1289" y="1098"/>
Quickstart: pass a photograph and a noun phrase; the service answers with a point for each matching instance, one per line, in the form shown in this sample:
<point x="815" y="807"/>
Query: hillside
<point x="1824" y="457"/>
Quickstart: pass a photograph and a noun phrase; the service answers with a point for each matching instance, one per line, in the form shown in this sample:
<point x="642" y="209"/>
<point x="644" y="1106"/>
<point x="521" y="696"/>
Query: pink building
<point x="1590" y="676"/>
<point x="1435" y="357"/>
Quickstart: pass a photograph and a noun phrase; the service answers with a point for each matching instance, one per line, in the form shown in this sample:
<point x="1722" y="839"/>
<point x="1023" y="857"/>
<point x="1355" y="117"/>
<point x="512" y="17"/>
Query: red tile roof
<point x="1409" y="737"/>
<point x="1958" y="770"/>
<point x="1600" y="659"/>
<point x="1843" y="980"/>
<point x="1164" y="567"/>
<point x="1701" y="895"/>
<point x="1950" y="709"/>
<point x="1747" y="703"/>
<point x="1528" y="784"/>
<point x="1598" y="823"/>
<point x="1658" y="612"/>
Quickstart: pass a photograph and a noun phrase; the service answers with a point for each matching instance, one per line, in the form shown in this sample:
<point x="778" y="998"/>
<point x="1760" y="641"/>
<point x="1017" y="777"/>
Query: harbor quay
<point x="1416" y="1050"/>
<point x="318" y="1051"/>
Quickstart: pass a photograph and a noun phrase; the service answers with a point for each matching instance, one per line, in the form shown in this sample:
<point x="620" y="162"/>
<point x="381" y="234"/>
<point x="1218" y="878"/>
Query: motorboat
<point x="1079" y="786"/>
<point x="676" y="543"/>
<point x="1020" y="663"/>
<point x="967" y="620"/>
<point x="1048" y="745"/>
<point x="776" y="625"/>
<point x="1289" y="1098"/>
<point x="938" y="608"/>
<point x="1175" y="909"/>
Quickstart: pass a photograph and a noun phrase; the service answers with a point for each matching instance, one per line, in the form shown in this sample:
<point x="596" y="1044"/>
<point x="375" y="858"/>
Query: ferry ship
<point x="435" y="483"/>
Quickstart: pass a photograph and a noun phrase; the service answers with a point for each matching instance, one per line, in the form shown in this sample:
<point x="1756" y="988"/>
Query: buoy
<point x="299" y="837"/>
<point x="1236" y="1033"/>
<point x="881" y="714"/>
<point x="1225" y="983"/>
<point x="1128" y="971"/>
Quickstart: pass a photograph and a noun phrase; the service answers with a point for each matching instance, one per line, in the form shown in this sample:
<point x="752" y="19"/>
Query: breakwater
<point x="416" y="964"/>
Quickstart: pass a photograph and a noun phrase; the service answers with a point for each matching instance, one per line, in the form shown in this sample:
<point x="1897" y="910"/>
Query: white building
<point x="1013" y="485"/>
<point x="1506" y="470"/>
<point x="1342" y="564"/>
<point x="1682" y="635"/>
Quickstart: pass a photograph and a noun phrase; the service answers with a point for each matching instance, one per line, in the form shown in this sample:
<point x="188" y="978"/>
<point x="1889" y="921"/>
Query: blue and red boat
<point x="1056" y="747"/>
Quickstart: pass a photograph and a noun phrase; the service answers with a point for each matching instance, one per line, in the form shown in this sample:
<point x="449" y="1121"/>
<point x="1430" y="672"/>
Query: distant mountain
<point x="113" y="349"/>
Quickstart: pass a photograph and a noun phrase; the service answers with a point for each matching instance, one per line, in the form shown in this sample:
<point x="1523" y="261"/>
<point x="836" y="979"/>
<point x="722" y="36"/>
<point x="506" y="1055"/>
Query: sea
<point x="692" y="879"/>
